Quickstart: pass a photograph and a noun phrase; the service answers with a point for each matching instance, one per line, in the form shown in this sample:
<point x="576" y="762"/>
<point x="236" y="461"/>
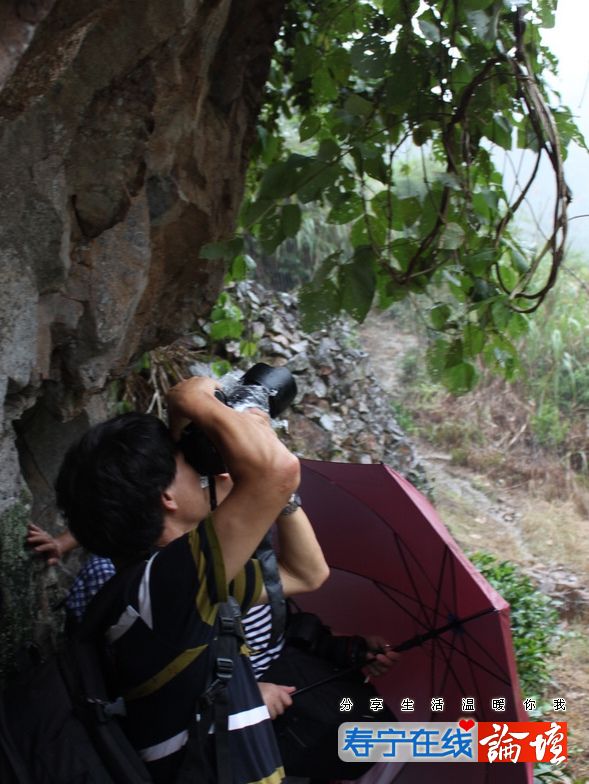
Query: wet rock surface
<point x="125" y="131"/>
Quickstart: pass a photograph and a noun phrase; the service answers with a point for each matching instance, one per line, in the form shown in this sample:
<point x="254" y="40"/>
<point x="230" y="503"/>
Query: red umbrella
<point x="397" y="572"/>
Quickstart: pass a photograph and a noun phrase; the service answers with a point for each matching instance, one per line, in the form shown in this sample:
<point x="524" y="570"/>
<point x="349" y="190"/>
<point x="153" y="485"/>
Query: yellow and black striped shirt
<point x="161" y="641"/>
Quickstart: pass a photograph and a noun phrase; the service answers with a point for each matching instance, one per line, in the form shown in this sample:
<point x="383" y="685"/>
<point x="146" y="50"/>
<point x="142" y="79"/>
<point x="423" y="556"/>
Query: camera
<point x="271" y="389"/>
<point x="306" y="632"/>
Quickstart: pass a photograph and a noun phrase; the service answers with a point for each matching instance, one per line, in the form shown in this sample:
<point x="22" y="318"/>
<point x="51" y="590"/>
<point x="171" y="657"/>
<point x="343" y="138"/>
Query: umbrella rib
<point x="440" y="580"/>
<point x="403" y="549"/>
<point x="344" y="489"/>
<point x="450" y="669"/>
<point x="476" y="643"/>
<point x="498" y="676"/>
<point x="410" y="576"/>
<point x="381" y="587"/>
<point x="472" y="674"/>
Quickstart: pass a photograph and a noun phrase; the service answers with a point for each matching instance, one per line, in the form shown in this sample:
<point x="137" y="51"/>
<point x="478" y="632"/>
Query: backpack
<point x="58" y="719"/>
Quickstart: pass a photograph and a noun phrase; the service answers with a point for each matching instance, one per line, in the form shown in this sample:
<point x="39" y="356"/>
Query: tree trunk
<point x="125" y="127"/>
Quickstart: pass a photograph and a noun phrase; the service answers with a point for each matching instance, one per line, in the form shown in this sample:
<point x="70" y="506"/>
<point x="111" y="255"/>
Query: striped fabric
<point x="257" y="627"/>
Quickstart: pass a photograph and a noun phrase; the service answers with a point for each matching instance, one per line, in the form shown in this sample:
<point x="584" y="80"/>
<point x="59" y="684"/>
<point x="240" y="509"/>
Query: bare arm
<point x="301" y="564"/>
<point x="264" y="472"/>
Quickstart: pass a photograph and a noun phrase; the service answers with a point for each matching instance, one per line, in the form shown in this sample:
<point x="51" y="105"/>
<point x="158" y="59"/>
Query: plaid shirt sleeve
<point x="91" y="577"/>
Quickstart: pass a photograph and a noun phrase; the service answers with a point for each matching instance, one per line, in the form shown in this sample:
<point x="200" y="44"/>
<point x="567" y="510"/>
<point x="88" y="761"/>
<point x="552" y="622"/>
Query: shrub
<point x="534" y="621"/>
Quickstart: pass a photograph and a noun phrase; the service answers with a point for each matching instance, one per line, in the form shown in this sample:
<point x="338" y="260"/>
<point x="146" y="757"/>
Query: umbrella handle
<point x="333" y="677"/>
<point x="412" y="642"/>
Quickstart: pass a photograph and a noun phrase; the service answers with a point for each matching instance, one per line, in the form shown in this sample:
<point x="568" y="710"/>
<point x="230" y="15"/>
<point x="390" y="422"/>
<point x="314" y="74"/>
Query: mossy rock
<point x="28" y="593"/>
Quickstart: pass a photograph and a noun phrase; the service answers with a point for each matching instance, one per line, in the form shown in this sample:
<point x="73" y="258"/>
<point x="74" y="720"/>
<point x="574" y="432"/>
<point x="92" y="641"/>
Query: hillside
<point x="504" y="500"/>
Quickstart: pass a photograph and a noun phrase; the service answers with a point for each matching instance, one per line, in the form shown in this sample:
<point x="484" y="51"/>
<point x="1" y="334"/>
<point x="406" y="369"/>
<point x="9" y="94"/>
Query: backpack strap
<point x="98" y="615"/>
<point x="273" y="584"/>
<point x="212" y="707"/>
<point x="85" y="668"/>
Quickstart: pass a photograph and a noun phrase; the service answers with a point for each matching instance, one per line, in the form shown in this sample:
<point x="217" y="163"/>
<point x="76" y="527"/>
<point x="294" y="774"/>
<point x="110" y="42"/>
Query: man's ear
<point x="168" y="500"/>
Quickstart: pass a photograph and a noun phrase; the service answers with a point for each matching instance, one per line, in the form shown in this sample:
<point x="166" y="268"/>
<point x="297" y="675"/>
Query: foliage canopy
<point x="451" y="80"/>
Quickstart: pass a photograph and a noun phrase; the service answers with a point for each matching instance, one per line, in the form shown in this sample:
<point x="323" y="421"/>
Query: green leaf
<point x="452" y="237"/>
<point x="328" y="150"/>
<point x="480" y="261"/>
<point x="338" y="62"/>
<point x="406" y="212"/>
<point x="509" y="277"/>
<point x="315" y="177"/>
<point x="368" y="158"/>
<point x="309" y="127"/>
<point x="547" y="12"/>
<point x="502" y="355"/>
<point x="242" y="267"/>
<point x="388" y="291"/>
<point x="473" y="340"/>
<point x="399" y="11"/>
<point x="318" y="305"/>
<point x="454" y="354"/>
<point x="347" y="209"/>
<point x="499" y="131"/>
<point x="248" y="348"/>
<point x="290" y="219"/>
<point x="357" y="105"/>
<point x="402" y="251"/>
<point x="280" y="180"/>
<point x="253" y="211"/>
<point x="518" y="325"/>
<point x="421" y="134"/>
<point x="324" y="85"/>
<point x="501" y="314"/>
<point x="439" y="315"/>
<point x="221" y="367"/>
<point x="460" y="378"/>
<point x="222" y="250"/>
<point x="460" y="286"/>
<point x="305" y="62"/>
<point x="357" y="283"/>
<point x="370" y="57"/>
<point x="226" y="329"/>
<point x="270" y="232"/>
<point x="369" y="230"/>
<point x="326" y="269"/>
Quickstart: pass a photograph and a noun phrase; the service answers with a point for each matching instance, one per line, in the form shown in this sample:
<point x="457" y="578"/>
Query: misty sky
<point x="569" y="40"/>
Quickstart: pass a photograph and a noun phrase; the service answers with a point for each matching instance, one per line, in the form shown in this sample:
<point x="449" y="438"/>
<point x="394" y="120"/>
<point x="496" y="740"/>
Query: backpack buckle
<point x="226" y="625"/>
<point x="223" y="668"/>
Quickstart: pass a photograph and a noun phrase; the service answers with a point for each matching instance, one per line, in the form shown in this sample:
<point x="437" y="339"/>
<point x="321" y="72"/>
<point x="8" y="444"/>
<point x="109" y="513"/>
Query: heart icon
<point x="466" y="724"/>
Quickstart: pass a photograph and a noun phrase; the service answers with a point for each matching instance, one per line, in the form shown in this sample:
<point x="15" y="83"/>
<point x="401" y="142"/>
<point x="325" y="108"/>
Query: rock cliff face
<point x="124" y="133"/>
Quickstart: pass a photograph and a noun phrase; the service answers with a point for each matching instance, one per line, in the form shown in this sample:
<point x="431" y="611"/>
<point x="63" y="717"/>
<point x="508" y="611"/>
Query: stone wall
<point x="341" y="412"/>
<point x="124" y="136"/>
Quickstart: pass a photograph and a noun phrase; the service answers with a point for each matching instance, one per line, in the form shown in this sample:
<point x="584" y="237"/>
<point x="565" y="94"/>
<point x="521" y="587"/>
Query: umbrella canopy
<point x="397" y="572"/>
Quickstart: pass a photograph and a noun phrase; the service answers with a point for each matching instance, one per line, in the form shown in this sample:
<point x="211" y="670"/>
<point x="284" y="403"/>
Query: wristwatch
<point x="294" y="503"/>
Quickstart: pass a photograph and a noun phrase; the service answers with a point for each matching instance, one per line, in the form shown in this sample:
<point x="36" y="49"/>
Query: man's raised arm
<point x="263" y="470"/>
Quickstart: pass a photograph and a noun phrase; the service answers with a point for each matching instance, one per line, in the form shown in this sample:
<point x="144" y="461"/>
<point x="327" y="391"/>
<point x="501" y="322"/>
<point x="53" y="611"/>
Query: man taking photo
<point x="128" y="494"/>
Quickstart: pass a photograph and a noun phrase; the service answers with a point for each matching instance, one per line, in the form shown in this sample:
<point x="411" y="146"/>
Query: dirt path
<point x="549" y="539"/>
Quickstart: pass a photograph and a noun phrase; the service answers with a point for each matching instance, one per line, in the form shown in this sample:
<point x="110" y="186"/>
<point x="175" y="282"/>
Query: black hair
<point x="110" y="483"/>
